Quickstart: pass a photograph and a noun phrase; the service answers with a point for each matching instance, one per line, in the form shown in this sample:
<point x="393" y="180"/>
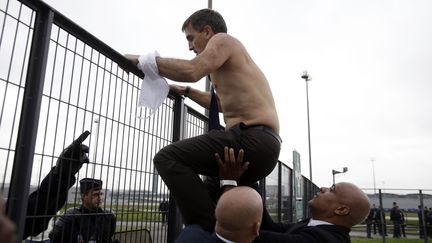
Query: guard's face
<point x="197" y="40"/>
<point x="93" y="199"/>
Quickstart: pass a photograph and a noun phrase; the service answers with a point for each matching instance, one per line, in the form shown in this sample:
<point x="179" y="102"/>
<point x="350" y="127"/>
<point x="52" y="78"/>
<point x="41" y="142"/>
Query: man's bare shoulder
<point x="224" y="38"/>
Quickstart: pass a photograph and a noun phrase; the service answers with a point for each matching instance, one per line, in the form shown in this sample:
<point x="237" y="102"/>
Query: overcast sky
<point x="370" y="61"/>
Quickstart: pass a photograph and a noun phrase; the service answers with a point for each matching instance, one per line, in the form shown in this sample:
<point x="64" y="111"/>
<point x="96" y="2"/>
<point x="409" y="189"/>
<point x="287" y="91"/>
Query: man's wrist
<point x="187" y="91"/>
<point x="228" y="183"/>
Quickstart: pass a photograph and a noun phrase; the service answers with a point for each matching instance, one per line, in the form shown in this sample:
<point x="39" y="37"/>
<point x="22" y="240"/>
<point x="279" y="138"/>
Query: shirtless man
<point x="245" y="99"/>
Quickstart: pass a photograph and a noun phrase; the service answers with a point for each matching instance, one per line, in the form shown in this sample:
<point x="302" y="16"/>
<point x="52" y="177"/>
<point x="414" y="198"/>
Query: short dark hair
<point x="204" y="17"/>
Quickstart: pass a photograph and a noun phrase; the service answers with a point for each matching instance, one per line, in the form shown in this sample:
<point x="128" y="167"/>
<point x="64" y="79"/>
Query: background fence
<point x="56" y="81"/>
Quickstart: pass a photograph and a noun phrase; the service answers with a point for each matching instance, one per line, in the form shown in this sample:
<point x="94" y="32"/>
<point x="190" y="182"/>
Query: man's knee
<point x="163" y="160"/>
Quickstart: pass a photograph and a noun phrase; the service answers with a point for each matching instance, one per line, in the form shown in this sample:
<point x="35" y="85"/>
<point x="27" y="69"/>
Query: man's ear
<point x="208" y="31"/>
<point x="342" y="210"/>
<point x="256" y="228"/>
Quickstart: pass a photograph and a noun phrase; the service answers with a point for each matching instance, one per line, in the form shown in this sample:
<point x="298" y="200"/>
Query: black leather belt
<point x="264" y="128"/>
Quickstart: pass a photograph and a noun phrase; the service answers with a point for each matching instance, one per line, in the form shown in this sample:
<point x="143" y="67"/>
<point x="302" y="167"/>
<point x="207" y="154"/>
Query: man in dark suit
<point x="334" y="211"/>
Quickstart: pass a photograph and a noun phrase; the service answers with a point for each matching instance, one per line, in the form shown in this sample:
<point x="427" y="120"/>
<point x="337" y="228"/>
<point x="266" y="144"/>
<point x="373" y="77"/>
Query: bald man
<point x="238" y="218"/>
<point x="334" y="211"/>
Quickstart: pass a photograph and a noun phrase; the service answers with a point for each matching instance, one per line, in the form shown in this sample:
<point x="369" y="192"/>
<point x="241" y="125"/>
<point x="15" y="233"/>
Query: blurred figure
<point x="381" y="223"/>
<point x="163" y="210"/>
<point x="370" y="220"/>
<point x="422" y="221"/>
<point x="7" y="227"/>
<point x="88" y="223"/>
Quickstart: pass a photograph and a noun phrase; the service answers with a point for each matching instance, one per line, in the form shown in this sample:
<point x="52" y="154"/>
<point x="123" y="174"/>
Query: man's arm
<point x="216" y="53"/>
<point x="53" y="191"/>
<point x="200" y="97"/>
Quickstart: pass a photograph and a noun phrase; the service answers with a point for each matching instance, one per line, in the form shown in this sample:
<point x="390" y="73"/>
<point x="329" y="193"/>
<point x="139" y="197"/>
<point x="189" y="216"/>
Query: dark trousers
<point x="180" y="163"/>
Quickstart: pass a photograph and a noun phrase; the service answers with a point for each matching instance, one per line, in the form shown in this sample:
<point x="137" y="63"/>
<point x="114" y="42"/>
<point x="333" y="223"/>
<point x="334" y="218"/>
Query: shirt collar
<point x="223" y="239"/>
<point x="315" y="222"/>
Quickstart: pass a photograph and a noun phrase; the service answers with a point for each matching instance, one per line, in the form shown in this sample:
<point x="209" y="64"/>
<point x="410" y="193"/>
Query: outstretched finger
<point x="226" y="154"/>
<point x="240" y="156"/>
<point x="81" y="138"/>
<point x="232" y="156"/>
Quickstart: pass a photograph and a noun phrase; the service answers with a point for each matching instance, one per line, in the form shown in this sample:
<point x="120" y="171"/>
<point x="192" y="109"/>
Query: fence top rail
<point x="80" y="33"/>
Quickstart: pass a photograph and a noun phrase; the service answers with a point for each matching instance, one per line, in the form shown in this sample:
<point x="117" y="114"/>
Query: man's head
<point x="238" y="214"/>
<point x="342" y="204"/>
<point x="91" y="193"/>
<point x="201" y="26"/>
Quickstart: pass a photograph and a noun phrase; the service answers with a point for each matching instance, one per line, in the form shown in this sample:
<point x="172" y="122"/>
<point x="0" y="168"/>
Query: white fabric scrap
<point x="154" y="88"/>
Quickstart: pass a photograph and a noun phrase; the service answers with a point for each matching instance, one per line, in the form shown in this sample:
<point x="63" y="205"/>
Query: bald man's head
<point x="342" y="204"/>
<point x="238" y="214"/>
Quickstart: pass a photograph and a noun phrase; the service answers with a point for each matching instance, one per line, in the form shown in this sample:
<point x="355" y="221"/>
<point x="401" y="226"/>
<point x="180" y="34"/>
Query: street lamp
<point x="373" y="173"/>
<point x="307" y="78"/>
<point x="334" y="172"/>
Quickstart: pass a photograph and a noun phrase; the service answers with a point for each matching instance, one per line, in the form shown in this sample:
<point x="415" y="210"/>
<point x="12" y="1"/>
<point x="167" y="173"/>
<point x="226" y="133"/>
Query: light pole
<point x="334" y="172"/>
<point x="373" y="173"/>
<point x="307" y="78"/>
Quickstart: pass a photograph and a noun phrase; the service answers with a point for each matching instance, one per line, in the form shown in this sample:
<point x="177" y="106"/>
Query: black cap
<point x="90" y="183"/>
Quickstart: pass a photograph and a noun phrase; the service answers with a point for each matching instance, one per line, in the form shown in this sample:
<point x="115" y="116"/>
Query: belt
<point x="264" y="128"/>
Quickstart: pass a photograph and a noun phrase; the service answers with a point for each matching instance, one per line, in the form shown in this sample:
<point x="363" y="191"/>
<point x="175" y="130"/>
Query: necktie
<point x="213" y="122"/>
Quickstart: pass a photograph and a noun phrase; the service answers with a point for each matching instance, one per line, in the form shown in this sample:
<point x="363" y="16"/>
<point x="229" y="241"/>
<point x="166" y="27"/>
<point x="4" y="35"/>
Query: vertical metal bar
<point x="27" y="133"/>
<point x="174" y="217"/>
<point x="279" y="186"/>
<point x="382" y="218"/>
<point x="423" y="223"/>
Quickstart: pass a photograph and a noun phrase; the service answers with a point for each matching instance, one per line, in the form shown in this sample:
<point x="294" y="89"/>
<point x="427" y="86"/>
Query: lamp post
<point x="307" y="78"/>
<point x="334" y="172"/>
<point x="373" y="173"/>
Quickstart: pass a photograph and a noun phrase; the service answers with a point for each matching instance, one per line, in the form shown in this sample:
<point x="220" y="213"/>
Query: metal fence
<point x="56" y="81"/>
<point x="411" y="219"/>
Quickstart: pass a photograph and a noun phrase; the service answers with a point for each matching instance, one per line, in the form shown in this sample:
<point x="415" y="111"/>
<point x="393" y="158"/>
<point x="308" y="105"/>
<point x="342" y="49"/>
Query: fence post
<point x="382" y="217"/>
<point x="174" y="216"/>
<point x="279" y="204"/>
<point x="422" y="225"/>
<point x="28" y="125"/>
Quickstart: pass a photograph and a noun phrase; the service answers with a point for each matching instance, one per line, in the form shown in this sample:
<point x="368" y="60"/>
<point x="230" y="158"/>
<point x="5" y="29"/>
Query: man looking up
<point x="245" y="99"/>
<point x="334" y="212"/>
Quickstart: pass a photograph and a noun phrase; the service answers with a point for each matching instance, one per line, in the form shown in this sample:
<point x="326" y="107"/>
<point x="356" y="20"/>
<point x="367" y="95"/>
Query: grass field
<point x="388" y="240"/>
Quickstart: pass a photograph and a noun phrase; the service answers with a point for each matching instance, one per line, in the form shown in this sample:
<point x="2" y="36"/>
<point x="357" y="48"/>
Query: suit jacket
<point x="301" y="233"/>
<point x="196" y="234"/>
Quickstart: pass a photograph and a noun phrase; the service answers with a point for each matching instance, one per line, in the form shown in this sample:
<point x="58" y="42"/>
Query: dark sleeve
<point x="306" y="235"/>
<point x="46" y="201"/>
<point x="64" y="227"/>
<point x="113" y="224"/>
<point x="268" y="224"/>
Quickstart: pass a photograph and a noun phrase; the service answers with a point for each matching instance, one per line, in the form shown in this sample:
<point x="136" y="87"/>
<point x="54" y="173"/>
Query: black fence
<point x="56" y="81"/>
